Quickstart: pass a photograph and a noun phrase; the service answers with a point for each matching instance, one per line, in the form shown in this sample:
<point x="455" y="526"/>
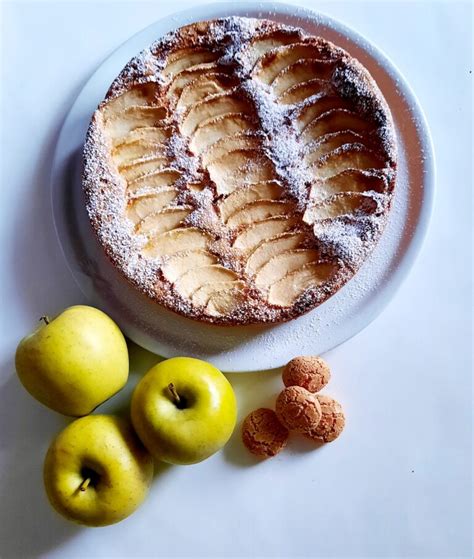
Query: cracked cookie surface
<point x="298" y="409"/>
<point x="310" y="372"/>
<point x="263" y="434"/>
<point x="332" y="420"/>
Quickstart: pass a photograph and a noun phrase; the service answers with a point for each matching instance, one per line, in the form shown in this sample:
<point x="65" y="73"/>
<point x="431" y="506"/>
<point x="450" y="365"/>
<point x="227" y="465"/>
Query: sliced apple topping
<point x="258" y="170"/>
<point x="276" y="60"/>
<point x="301" y="91"/>
<point x="351" y="180"/>
<point x="131" y="118"/>
<point x="285" y="292"/>
<point x="152" y="134"/>
<point x="258" y="211"/>
<point x="270" y="248"/>
<point x="261" y="45"/>
<point x="242" y="169"/>
<point x="223" y="303"/>
<point x="186" y="58"/>
<point x="128" y="152"/>
<point x="226" y="172"/>
<point x="139" y="208"/>
<point x="213" y="107"/>
<point x="164" y="220"/>
<point x="335" y="120"/>
<point x="204" y="86"/>
<point x="240" y="141"/>
<point x="177" y="240"/>
<point x="144" y="166"/>
<point x="267" y="190"/>
<point x="315" y="108"/>
<point x="216" y="128"/>
<point x="201" y="296"/>
<point x="282" y="264"/>
<point x="259" y="231"/>
<point x="158" y="179"/>
<point x="186" y="76"/>
<point x="181" y="263"/>
<point x="347" y="203"/>
<point x="137" y="96"/>
<point x="356" y="156"/>
<point x="192" y="280"/>
<point x="328" y="143"/>
<point x="301" y="71"/>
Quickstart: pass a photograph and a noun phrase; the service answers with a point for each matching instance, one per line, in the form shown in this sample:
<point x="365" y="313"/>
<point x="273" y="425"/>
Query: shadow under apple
<point x="252" y="390"/>
<point x="29" y="526"/>
<point x="160" y="469"/>
<point x="141" y="361"/>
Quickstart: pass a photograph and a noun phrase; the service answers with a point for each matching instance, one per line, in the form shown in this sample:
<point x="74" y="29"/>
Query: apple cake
<point x="240" y="171"/>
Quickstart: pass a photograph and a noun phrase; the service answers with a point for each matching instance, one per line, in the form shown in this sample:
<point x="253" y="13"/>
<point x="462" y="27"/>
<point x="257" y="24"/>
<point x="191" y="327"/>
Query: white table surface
<point x="398" y="483"/>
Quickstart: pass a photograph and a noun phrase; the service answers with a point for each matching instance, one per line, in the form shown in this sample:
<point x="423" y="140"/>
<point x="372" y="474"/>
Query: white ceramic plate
<point x="254" y="347"/>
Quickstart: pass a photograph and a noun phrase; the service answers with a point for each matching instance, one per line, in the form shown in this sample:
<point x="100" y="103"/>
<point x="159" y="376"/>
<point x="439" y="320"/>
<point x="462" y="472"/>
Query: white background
<point x="398" y="482"/>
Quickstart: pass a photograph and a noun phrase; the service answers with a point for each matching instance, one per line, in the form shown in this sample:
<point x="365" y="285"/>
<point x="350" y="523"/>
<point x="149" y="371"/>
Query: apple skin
<point x="122" y="471"/>
<point x="192" y="434"/>
<point x="74" y="363"/>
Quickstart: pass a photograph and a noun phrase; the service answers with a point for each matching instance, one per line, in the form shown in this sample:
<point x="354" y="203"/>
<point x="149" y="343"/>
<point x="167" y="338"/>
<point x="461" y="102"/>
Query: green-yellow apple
<point x="183" y="410"/>
<point x="96" y="471"/>
<point x="75" y="362"/>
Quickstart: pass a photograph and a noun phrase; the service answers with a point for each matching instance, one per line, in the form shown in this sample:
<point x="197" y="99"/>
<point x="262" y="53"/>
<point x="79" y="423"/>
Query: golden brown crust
<point x="141" y="141"/>
<point x="262" y="433"/>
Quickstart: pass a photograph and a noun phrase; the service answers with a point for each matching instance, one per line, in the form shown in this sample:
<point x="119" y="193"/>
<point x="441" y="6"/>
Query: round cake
<point x="240" y="171"/>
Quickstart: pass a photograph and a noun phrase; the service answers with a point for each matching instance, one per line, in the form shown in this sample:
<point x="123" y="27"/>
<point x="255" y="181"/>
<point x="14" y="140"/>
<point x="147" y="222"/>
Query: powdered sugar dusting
<point x="344" y="240"/>
<point x="281" y="143"/>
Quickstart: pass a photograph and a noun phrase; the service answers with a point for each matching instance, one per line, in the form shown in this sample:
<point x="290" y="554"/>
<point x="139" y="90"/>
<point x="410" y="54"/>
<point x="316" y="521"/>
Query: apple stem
<point x="85" y="484"/>
<point x="175" y="395"/>
<point x="45" y="319"/>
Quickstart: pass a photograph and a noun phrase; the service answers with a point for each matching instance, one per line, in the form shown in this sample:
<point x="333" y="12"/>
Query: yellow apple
<point x="75" y="362"/>
<point x="184" y="410"/>
<point x="96" y="471"/>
